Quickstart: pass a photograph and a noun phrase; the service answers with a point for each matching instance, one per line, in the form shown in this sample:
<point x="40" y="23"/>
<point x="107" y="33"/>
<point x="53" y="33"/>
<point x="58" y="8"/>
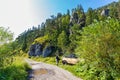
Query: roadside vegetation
<point x="13" y="68"/>
<point x="100" y="48"/>
<point x="12" y="64"/>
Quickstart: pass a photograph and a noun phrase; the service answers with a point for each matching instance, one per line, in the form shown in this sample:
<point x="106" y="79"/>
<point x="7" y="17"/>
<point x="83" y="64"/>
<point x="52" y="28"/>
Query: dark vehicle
<point x="70" y="59"/>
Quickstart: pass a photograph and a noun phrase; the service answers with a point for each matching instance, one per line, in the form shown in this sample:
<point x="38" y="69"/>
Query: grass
<point x="14" y="68"/>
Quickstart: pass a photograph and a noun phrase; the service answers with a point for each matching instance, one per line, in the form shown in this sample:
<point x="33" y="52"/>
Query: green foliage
<point x="12" y="65"/>
<point x="74" y="36"/>
<point x="63" y="40"/>
<point x="13" y="68"/>
<point x="50" y="60"/>
<point x="65" y="20"/>
<point x="100" y="47"/>
<point x="113" y="10"/>
<point x="24" y="45"/>
<point x="41" y="40"/>
<point x="5" y="35"/>
<point x="8" y="49"/>
<point x="91" y="15"/>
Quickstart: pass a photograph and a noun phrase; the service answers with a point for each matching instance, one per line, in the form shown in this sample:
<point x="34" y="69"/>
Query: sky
<point x="19" y="15"/>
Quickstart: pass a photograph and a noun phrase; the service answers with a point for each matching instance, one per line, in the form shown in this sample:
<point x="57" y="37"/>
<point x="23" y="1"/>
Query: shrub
<point x="13" y="68"/>
<point x="100" y="48"/>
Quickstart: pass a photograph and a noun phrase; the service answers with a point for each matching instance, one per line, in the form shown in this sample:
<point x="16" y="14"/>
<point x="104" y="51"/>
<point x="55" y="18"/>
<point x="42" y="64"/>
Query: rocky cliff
<point x="39" y="50"/>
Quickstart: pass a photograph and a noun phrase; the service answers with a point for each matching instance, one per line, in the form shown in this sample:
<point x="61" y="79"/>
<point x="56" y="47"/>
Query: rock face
<point x="37" y="50"/>
<point x="105" y="12"/>
<point x="47" y="51"/>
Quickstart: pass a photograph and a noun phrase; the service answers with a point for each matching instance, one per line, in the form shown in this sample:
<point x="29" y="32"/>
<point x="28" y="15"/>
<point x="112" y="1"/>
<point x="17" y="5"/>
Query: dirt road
<point x="43" y="71"/>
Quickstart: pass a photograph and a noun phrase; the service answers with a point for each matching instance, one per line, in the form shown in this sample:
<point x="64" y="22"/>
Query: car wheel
<point x="64" y="62"/>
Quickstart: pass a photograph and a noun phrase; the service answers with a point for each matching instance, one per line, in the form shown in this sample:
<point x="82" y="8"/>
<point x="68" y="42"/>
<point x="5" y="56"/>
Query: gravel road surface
<point x="43" y="71"/>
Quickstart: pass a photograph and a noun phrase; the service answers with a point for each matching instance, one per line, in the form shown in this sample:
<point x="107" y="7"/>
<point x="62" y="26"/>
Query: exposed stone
<point x="47" y="51"/>
<point x="105" y="12"/>
<point x="37" y="50"/>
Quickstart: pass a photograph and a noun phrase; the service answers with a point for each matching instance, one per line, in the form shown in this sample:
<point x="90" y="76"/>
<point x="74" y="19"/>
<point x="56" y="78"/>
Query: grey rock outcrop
<point x="35" y="50"/>
<point x="39" y="50"/>
<point x="105" y="12"/>
<point x="47" y="51"/>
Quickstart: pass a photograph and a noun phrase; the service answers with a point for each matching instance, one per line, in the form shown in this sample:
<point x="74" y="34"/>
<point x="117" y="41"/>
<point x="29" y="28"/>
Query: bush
<point x="13" y="68"/>
<point x="41" y="40"/>
<point x="100" y="48"/>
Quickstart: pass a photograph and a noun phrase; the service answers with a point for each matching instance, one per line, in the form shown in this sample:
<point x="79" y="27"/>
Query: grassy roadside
<point x="13" y="68"/>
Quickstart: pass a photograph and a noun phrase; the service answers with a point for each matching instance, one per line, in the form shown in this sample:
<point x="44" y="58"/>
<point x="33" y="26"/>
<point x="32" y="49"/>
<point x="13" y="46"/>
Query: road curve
<point x="43" y="71"/>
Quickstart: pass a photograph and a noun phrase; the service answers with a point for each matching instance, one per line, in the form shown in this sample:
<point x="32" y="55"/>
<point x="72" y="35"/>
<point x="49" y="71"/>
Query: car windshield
<point x="71" y="56"/>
